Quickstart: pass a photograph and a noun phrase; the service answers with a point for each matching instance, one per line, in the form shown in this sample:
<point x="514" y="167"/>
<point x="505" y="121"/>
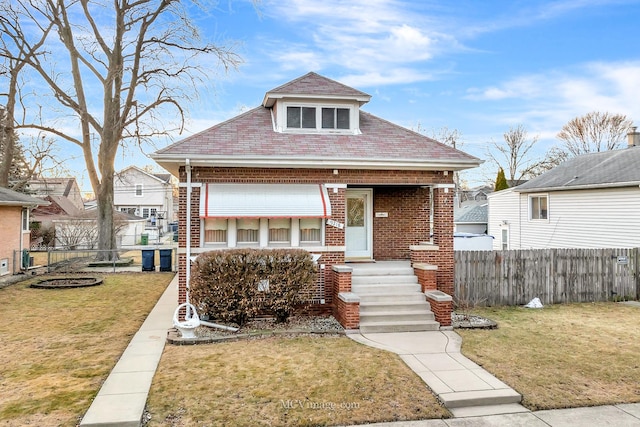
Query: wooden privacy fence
<point x="553" y="275"/>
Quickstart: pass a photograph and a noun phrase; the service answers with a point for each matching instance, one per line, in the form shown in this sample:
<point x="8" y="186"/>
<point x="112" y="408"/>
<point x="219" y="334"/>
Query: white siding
<point x="504" y="212"/>
<point x="470" y="228"/>
<point x="585" y="219"/>
<point x="155" y="193"/>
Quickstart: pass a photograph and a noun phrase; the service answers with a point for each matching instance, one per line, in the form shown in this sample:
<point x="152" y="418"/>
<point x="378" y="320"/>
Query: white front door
<point x="359" y="232"/>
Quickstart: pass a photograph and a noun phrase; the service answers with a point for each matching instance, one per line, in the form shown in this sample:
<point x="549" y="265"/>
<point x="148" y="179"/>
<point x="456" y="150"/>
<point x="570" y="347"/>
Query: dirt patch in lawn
<point x="67" y="282"/>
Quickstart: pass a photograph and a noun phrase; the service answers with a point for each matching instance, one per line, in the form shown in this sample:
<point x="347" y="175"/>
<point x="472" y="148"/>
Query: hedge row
<point x="236" y="284"/>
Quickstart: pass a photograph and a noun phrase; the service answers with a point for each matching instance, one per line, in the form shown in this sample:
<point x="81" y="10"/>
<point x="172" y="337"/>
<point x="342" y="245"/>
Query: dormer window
<point x="301" y="117"/>
<point x="335" y="118"/>
<point x="319" y="118"/>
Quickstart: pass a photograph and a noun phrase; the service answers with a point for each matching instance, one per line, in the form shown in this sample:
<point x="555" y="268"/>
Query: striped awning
<point x="264" y="201"/>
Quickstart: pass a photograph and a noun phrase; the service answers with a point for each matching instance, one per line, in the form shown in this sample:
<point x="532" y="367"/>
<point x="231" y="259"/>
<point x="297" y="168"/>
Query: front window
<point x="538" y="207"/>
<point x="310" y="230"/>
<point x="145" y="212"/>
<point x="248" y="231"/>
<point x="215" y="230"/>
<point x="138" y="190"/>
<point x="279" y="230"/>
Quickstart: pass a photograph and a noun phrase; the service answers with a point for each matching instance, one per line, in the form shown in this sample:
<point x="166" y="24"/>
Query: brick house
<point x="14" y="228"/>
<point x="309" y="169"/>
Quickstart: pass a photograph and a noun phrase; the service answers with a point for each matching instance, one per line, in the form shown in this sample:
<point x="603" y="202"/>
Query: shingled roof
<point x="615" y="168"/>
<point x="314" y="85"/>
<point x="13" y="198"/>
<point x="250" y="140"/>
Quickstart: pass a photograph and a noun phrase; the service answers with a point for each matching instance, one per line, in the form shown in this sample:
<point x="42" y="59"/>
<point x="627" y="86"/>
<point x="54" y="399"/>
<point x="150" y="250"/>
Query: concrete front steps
<point x="391" y="299"/>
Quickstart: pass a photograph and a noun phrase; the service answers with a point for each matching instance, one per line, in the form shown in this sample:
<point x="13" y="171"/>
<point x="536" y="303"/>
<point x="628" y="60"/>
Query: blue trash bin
<point x="148" y="260"/>
<point x="165" y="259"/>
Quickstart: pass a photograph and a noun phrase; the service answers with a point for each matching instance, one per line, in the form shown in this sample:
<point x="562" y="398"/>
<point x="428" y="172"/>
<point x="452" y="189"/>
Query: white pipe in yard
<point x="215" y="325"/>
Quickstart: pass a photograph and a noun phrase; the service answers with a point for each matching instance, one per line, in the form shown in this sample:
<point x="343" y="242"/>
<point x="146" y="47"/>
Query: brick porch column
<point x="346" y="307"/>
<point x="427" y="275"/>
<point x="441" y="306"/>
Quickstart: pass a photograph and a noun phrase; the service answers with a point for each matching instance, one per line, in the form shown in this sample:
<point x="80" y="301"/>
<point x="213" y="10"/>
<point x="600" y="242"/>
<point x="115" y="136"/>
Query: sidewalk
<point x="122" y="398"/>
<point x="625" y="415"/>
<point x="463" y="387"/>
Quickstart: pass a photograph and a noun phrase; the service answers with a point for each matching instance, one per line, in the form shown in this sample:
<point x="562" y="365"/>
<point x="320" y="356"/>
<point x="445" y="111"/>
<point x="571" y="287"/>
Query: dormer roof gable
<point x="317" y="87"/>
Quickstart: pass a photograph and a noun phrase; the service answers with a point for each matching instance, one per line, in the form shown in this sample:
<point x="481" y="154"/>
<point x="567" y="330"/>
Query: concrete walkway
<point x="463" y="387"/>
<point x="625" y="415"/>
<point x="123" y="396"/>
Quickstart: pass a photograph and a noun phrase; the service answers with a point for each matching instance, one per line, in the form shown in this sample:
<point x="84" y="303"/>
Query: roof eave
<point x="579" y="187"/>
<point x="271" y="98"/>
<point x="173" y="163"/>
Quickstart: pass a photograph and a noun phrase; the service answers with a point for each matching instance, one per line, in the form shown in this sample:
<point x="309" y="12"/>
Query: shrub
<point x="237" y="284"/>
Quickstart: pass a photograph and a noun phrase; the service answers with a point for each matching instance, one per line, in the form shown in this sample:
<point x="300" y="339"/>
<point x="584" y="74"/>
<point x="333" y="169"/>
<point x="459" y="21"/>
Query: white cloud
<point x="612" y="86"/>
<point x="361" y="36"/>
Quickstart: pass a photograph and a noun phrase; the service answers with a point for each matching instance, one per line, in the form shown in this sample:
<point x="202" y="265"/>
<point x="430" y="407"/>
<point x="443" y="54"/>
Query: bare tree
<point x="594" y="132"/>
<point x="112" y="69"/>
<point x="552" y="158"/>
<point x="16" y="53"/>
<point x="513" y="154"/>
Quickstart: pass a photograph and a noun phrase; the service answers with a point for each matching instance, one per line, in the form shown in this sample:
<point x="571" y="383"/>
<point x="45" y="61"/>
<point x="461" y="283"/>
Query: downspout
<point x="188" y="275"/>
<point x="20" y="256"/>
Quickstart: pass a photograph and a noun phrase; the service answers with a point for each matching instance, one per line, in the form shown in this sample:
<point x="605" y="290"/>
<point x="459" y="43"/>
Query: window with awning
<point x="264" y="201"/>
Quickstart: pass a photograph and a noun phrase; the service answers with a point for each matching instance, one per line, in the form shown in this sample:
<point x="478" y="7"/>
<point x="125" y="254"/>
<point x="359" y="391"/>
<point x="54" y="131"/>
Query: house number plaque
<point x="334" y="223"/>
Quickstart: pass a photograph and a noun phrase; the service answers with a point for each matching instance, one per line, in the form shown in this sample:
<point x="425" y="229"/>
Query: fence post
<point x="636" y="272"/>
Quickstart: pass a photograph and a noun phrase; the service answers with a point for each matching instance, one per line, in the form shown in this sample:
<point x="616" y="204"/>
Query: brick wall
<point x="443" y="237"/>
<point x="398" y="193"/>
<point x="407" y="222"/>
<point x="10" y="234"/>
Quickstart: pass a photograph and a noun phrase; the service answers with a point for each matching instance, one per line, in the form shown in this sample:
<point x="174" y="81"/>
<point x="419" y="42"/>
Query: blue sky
<point x="480" y="67"/>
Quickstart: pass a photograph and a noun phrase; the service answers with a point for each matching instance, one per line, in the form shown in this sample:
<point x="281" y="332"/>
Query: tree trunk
<point x="106" y="231"/>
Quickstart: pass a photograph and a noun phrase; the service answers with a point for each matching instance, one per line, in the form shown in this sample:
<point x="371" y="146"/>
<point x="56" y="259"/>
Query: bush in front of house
<point x="236" y="284"/>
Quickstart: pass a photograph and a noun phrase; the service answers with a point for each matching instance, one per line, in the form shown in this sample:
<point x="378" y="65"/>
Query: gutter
<point x="578" y="187"/>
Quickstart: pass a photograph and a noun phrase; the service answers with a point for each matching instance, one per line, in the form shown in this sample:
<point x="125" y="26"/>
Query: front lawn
<point x="312" y="381"/>
<point x="562" y="356"/>
<point x="59" y="345"/>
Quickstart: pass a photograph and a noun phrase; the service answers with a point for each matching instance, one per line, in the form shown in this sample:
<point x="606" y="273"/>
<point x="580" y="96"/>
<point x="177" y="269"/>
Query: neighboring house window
<point x="215" y="230"/>
<point x="310" y="231"/>
<point x="145" y="212"/>
<point x="279" y="230"/>
<point x="248" y="231"/>
<point x="25" y="220"/>
<point x="538" y="207"/>
<point x="335" y="118"/>
<point x="505" y="239"/>
<point x="138" y="190"/>
<point x="301" y="117"/>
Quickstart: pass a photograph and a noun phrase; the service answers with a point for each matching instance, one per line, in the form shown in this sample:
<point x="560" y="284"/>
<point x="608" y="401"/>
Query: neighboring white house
<point x="590" y="201"/>
<point x="146" y="195"/>
<point x="471" y="217"/>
